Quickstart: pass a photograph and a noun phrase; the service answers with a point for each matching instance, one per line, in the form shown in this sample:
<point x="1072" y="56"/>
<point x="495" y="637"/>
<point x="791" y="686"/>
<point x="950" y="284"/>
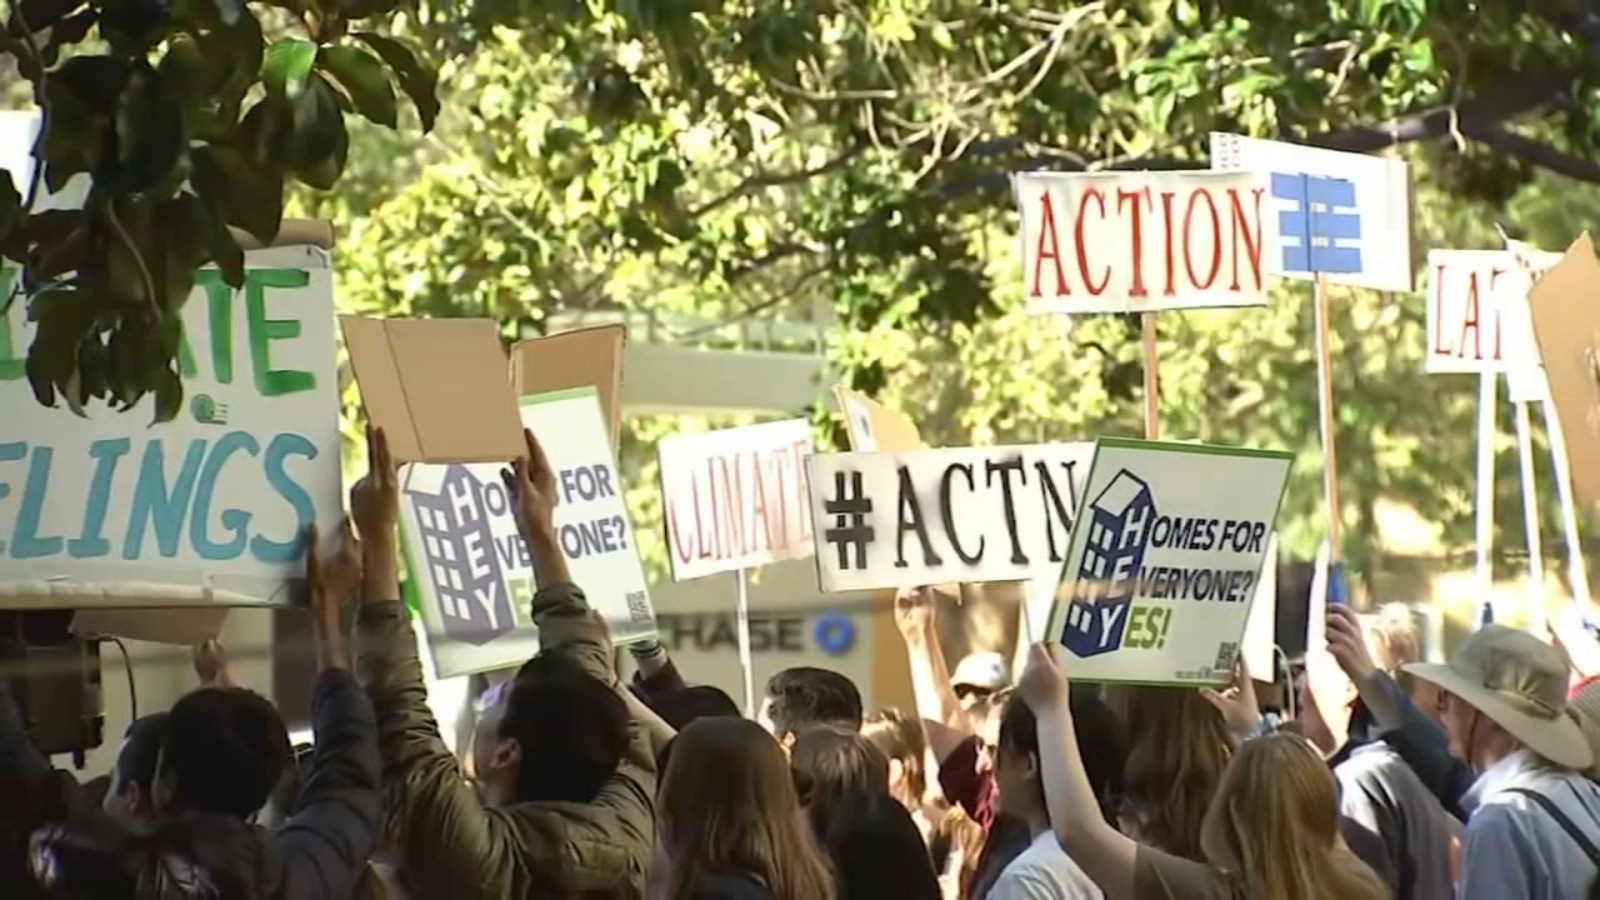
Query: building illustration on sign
<point x="459" y="559"/>
<point x="1107" y="578"/>
<point x="1323" y="231"/>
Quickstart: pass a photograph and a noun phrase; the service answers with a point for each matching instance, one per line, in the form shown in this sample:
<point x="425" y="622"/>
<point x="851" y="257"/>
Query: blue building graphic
<point x="1323" y="231"/>
<point x="1119" y="529"/>
<point x="459" y="559"/>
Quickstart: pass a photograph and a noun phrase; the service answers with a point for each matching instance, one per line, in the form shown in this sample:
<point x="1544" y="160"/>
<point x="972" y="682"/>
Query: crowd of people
<point x="1472" y="779"/>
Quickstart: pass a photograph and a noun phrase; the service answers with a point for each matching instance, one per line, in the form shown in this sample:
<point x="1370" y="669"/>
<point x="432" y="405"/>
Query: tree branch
<point x="1538" y="153"/>
<point x="1522" y="96"/>
<point x="766" y="180"/>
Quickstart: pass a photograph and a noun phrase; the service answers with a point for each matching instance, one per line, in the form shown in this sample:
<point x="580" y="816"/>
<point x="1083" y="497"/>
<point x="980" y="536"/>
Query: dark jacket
<point x="729" y="887"/>
<point x="455" y="849"/>
<point x="318" y="854"/>
<point x="1426" y="749"/>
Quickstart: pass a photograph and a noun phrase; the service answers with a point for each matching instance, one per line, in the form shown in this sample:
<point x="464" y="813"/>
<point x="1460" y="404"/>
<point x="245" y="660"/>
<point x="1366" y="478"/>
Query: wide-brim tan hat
<point x="1519" y="683"/>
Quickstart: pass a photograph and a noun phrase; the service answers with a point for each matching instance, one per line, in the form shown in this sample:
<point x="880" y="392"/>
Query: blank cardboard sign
<point x="438" y="388"/>
<point x="874" y="427"/>
<point x="577" y="358"/>
<point x="1565" y="306"/>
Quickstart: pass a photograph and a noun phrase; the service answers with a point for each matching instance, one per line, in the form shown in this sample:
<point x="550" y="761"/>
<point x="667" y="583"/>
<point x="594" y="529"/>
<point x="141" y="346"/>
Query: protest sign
<point x="1566" y="323"/>
<point x="470" y="569"/>
<point x="873" y="426"/>
<point x="1343" y="216"/>
<point x="576" y="358"/>
<point x="1142" y="241"/>
<point x="1260" y="648"/>
<point x="1171" y="538"/>
<point x="922" y="517"/>
<point x="439" y="388"/>
<point x="208" y="509"/>
<point x="736" y="498"/>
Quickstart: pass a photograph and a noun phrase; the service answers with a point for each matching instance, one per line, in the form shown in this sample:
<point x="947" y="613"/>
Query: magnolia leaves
<point x="156" y="117"/>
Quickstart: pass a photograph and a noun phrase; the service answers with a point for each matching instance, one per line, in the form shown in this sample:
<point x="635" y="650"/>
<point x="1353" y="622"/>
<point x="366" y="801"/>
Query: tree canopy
<point x="849" y="162"/>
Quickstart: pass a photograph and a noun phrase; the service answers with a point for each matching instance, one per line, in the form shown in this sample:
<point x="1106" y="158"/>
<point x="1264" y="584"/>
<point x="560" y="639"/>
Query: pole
<point x="1488" y="397"/>
<point x="1530" y="498"/>
<point x="1152" y="381"/>
<point x="1330" y="466"/>
<point x="746" y="664"/>
<point x="1577" y="569"/>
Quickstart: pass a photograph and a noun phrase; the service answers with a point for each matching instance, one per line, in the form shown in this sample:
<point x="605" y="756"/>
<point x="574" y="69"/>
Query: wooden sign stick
<point x="1330" y="466"/>
<point x="1152" y="380"/>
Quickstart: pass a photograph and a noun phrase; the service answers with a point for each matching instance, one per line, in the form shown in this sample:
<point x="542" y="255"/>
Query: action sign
<point x="469" y="568"/>
<point x="736" y="498"/>
<point x="1344" y="216"/>
<point x="965" y="514"/>
<point x="209" y="508"/>
<point x="1157" y="587"/>
<point x="1142" y="241"/>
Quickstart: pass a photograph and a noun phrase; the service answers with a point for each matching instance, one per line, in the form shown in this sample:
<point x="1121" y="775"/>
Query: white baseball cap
<point x="986" y="671"/>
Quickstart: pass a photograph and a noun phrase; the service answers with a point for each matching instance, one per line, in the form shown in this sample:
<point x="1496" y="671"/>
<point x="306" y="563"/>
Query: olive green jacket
<point x="451" y="846"/>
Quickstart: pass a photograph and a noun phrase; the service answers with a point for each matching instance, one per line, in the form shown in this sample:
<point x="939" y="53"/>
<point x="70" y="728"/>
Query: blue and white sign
<point x="470" y="573"/>
<point x="1344" y="216"/>
<point x="1164" y="563"/>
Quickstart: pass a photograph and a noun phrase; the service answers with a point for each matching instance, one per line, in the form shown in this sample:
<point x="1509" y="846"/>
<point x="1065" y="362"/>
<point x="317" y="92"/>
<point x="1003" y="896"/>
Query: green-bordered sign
<point x="1166" y="552"/>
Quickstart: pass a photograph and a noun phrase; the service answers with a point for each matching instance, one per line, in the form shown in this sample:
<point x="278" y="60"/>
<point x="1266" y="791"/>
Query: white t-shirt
<point x="1044" y="871"/>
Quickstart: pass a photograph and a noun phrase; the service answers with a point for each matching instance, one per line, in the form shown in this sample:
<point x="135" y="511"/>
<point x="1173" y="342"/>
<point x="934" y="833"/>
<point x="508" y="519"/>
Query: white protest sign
<point x="209" y="508"/>
<point x="1527" y="384"/>
<point x="1260" y="650"/>
<point x="736" y="498"/>
<point x="470" y="571"/>
<point x="1142" y="241"/>
<point x="963" y="514"/>
<point x="1165" y="558"/>
<point x="1345" y="216"/>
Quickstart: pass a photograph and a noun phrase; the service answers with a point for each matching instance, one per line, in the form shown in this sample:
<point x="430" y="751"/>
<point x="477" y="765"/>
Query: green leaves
<point x="419" y="83"/>
<point x="245" y="193"/>
<point x="364" y="80"/>
<point x="287" y="67"/>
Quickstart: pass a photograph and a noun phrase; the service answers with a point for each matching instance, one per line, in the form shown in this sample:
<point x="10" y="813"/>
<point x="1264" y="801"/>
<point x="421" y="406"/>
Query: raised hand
<point x="1347" y="643"/>
<point x="212" y="665"/>
<point x="1238" y="704"/>
<point x="532" y="485"/>
<point x="375" y="499"/>
<point x="333" y="582"/>
<point x="913" y="611"/>
<point x="1043" y="685"/>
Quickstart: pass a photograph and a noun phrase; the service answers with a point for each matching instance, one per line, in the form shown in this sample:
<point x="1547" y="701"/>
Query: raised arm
<point x="1105" y="855"/>
<point x="448" y="840"/>
<point x="334" y="824"/>
<point x="943" y="719"/>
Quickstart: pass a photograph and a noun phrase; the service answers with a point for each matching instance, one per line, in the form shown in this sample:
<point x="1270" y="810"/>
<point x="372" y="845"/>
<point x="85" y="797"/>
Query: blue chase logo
<point x="459" y="558"/>
<point x="1119" y="531"/>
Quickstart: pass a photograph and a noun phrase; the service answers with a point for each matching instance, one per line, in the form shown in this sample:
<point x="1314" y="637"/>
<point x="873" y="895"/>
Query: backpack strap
<point x="1566" y="823"/>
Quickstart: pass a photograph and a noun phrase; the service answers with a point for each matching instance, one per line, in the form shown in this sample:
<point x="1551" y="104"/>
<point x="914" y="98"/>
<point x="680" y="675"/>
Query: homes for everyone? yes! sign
<point x="736" y="498"/>
<point x="1169" y="545"/>
<point x="207" y="509"/>
<point x="965" y="514"/>
<point x="471" y="572"/>
<point x="1142" y="241"/>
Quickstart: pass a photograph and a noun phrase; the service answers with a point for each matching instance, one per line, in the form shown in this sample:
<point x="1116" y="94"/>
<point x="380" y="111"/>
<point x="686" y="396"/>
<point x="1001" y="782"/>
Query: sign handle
<point x="1530" y="498"/>
<point x="1577" y="569"/>
<point x="1330" y="466"/>
<point x="746" y="664"/>
<point x="1488" y="397"/>
<point x="1152" y="381"/>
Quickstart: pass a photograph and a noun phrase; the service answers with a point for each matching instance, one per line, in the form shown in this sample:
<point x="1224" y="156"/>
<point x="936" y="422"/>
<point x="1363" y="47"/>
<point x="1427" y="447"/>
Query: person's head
<point x="1506" y="690"/>
<point x="225" y="751"/>
<point x="978" y="678"/>
<point x="130" y="796"/>
<point x="805" y="697"/>
<point x="875" y="847"/>
<point x="900" y="737"/>
<point x="555" y="733"/>
<point x="727" y="804"/>
<point x="1016" y="769"/>
<point x="1177" y="749"/>
<point x="1275" y="822"/>
<point x="684" y="705"/>
<point x="831" y="760"/>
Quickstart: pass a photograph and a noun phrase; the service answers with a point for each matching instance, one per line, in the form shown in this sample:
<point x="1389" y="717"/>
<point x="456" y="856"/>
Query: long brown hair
<point x="727" y="806"/>
<point x="1275" y="825"/>
<point x="1178" y="746"/>
<point x="900" y="737"/>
